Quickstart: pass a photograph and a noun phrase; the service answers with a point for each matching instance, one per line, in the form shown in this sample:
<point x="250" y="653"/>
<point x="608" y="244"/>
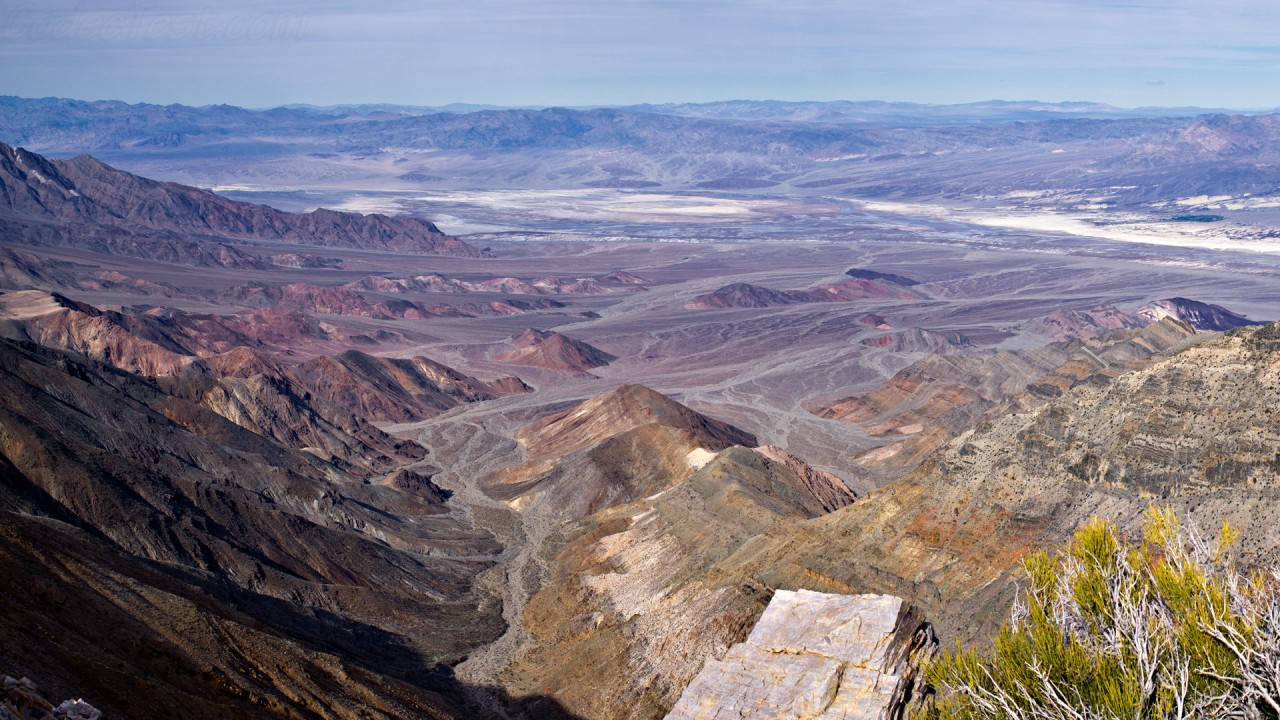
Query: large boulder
<point x="816" y="655"/>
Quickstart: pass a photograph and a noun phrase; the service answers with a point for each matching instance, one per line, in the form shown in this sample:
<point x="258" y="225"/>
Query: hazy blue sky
<point x="580" y="52"/>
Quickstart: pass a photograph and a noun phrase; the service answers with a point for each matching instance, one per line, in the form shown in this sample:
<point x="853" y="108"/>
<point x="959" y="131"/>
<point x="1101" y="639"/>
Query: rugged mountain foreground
<point x="639" y="596"/>
<point x="175" y="561"/>
<point x="172" y="563"/>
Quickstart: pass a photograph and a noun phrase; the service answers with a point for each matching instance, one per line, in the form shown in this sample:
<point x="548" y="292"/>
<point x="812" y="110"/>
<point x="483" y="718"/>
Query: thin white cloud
<point x="587" y="51"/>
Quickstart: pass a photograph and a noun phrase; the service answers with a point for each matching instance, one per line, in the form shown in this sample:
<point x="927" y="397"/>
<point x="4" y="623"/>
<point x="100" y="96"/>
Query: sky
<point x="263" y="53"/>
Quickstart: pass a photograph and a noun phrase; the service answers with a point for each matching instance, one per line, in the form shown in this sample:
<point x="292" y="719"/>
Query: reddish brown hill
<point x="553" y="351"/>
<point x="623" y="444"/>
<point x="400" y="390"/>
<point x="746" y="295"/>
<point x="741" y="295"/>
<point x="56" y="321"/>
<point x="855" y="289"/>
<point x="625" y="408"/>
<point x="1068" y="323"/>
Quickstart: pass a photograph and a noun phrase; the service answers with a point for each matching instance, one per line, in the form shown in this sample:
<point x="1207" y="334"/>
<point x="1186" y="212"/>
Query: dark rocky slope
<point x="49" y="195"/>
<point x="173" y="563"/>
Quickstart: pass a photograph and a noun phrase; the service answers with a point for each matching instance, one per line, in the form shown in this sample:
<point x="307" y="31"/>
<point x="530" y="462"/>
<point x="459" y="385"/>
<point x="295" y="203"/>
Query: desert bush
<point x="1165" y="627"/>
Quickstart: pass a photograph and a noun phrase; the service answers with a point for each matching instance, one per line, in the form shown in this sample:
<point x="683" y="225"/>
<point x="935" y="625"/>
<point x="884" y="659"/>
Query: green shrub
<point x="1165" y="628"/>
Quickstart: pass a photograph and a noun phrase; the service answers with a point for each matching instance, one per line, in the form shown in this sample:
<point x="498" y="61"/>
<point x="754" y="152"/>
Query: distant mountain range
<point x="1126" y="158"/>
<point x="910" y="114"/>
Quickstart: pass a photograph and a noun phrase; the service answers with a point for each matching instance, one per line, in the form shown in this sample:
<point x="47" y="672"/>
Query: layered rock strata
<point x="816" y="655"/>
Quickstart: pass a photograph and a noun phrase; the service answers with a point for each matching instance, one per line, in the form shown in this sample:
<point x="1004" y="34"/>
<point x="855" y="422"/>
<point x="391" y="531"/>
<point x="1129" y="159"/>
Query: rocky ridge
<point x="609" y="449"/>
<point x="1201" y="316"/>
<point x="614" y="282"/>
<point x="323" y="405"/>
<point x="85" y="191"/>
<point x="924" y="405"/>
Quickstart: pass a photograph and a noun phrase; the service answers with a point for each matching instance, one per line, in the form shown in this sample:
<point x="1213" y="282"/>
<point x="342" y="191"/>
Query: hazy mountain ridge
<point x="1165" y="156"/>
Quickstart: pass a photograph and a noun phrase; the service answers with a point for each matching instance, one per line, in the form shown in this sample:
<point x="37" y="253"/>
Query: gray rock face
<point x="816" y="655"/>
<point x="22" y="700"/>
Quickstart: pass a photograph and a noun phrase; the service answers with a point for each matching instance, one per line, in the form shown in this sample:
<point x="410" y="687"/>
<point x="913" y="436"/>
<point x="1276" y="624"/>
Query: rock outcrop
<point x="21" y="699"/>
<point x="1101" y="320"/>
<point x="826" y="491"/>
<point x="917" y="340"/>
<point x="817" y="655"/>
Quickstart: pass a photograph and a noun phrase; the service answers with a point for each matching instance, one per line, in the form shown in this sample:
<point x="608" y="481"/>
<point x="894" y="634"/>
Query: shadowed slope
<point x="400" y="390"/>
<point x="155" y="539"/>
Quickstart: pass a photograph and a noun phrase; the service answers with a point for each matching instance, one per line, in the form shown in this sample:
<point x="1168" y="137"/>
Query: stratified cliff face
<point x="816" y="655"/>
<point x="131" y="214"/>
<point x="169" y="562"/>
<point x="1195" y="430"/>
